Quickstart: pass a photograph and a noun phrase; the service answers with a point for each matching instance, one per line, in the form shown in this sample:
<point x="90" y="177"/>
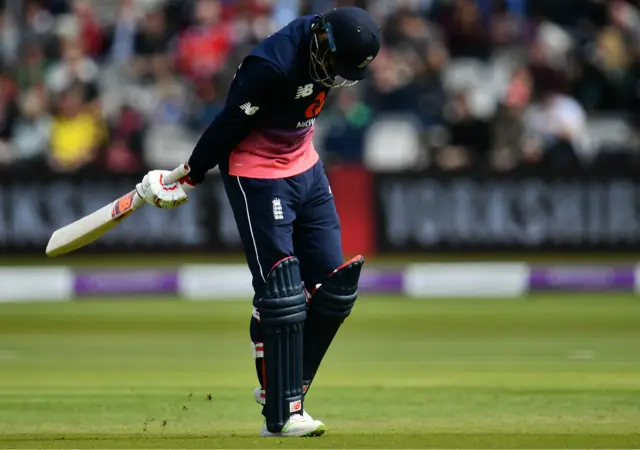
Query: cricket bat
<point x="86" y="230"/>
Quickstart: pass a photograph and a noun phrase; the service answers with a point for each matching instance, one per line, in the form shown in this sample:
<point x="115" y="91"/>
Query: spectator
<point x="419" y="55"/>
<point x="57" y="7"/>
<point x="470" y="136"/>
<point x="433" y="98"/>
<point x="90" y="32"/>
<point x="32" y="135"/>
<point x="127" y="134"/>
<point x="120" y="37"/>
<point x="8" y="116"/>
<point x="466" y="35"/>
<point x="40" y="23"/>
<point x="573" y="57"/>
<point x="75" y="67"/>
<point x="507" y="28"/>
<point x="76" y="134"/>
<point x="633" y="97"/>
<point x="9" y="37"/>
<point x="557" y="129"/>
<point x="344" y="141"/>
<point x="204" y="47"/>
<point x="168" y="96"/>
<point x="32" y="69"/>
<point x="167" y="109"/>
<point x="208" y="103"/>
<point x="394" y="84"/>
<point x="507" y="128"/>
<point x="252" y="20"/>
<point x="151" y="39"/>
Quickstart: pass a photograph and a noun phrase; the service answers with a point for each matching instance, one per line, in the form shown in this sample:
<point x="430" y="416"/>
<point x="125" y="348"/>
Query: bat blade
<point x="84" y="231"/>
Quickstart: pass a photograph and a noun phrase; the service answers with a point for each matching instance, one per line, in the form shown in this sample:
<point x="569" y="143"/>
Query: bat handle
<point x="178" y="173"/>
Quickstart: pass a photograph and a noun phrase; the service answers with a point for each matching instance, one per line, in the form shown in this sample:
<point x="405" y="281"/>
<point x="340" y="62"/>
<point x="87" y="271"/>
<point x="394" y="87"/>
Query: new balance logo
<point x="304" y="91"/>
<point x="248" y="109"/>
<point x="277" y="209"/>
<point x="306" y="123"/>
<point x="295" y="406"/>
<point x="366" y="62"/>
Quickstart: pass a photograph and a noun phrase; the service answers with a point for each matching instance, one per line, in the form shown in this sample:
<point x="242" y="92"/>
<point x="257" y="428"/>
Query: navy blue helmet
<point x="344" y="42"/>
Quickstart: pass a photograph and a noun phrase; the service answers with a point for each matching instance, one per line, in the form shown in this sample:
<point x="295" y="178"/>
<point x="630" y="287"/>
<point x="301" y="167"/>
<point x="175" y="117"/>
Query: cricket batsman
<point x="282" y="202"/>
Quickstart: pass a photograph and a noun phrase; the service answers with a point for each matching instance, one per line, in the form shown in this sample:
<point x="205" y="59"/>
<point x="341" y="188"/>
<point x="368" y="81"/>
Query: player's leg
<point x="282" y="309"/>
<point x="265" y="240"/>
<point x="332" y="283"/>
<point x="265" y="226"/>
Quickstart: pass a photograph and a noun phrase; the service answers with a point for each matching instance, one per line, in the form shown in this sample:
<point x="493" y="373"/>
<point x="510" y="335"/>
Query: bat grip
<point x="178" y="173"/>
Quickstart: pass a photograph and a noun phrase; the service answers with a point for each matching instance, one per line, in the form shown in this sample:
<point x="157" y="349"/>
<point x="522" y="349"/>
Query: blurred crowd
<point x="123" y="85"/>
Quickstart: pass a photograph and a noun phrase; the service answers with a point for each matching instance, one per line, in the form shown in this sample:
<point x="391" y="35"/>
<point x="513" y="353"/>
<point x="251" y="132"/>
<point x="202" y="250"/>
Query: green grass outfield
<point x="545" y="372"/>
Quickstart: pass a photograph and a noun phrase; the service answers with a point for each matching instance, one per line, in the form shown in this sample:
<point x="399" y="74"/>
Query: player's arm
<point x="254" y="91"/>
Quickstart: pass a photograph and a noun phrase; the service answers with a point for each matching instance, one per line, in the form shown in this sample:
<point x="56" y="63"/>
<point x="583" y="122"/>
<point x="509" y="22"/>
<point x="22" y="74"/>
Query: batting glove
<point x="155" y="192"/>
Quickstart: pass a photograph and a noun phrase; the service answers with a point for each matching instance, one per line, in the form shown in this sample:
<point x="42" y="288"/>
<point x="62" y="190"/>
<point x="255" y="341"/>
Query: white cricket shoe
<point x="297" y="426"/>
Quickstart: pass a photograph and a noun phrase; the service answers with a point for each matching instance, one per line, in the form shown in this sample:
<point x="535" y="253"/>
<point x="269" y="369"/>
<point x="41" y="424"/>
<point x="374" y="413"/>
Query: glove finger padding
<point x="155" y="192"/>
